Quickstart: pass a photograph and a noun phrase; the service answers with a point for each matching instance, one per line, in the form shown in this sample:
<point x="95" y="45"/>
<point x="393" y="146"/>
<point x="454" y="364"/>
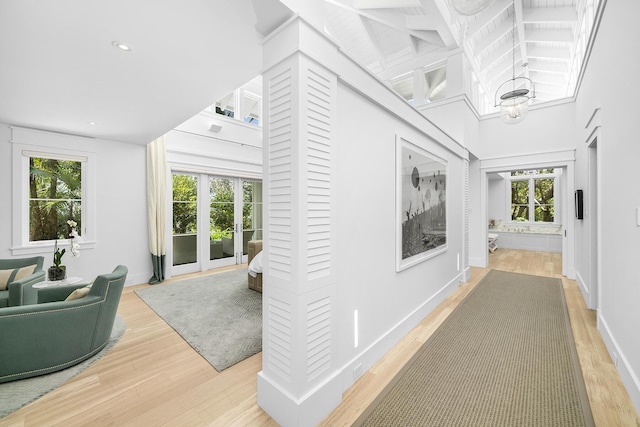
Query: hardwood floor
<point x="153" y="377"/>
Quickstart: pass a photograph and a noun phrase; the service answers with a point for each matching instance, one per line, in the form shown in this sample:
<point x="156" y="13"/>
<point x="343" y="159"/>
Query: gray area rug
<point x="504" y="357"/>
<point x="16" y="394"/>
<point x="218" y="315"/>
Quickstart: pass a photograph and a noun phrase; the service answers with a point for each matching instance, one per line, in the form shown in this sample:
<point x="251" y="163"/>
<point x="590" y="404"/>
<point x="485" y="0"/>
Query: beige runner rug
<point x="504" y="357"/>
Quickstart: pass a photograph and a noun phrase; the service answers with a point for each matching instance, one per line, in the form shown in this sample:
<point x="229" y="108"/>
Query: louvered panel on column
<point x="318" y="338"/>
<point x="280" y="174"/>
<point x="319" y="174"/>
<point x="279" y="337"/>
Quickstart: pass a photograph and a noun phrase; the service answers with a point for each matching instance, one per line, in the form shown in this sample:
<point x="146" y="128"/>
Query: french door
<point x="214" y="218"/>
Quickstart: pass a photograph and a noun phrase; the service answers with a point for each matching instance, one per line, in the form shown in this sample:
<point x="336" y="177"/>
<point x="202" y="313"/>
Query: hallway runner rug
<point x="504" y="357"/>
<point x="218" y="315"/>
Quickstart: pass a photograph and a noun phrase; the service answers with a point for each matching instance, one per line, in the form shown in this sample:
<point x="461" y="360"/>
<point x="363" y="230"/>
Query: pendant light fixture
<point x="470" y="7"/>
<point x="514" y="103"/>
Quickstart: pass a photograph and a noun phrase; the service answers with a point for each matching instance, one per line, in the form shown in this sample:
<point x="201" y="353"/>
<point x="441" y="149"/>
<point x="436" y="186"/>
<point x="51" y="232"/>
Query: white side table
<point x="64" y="282"/>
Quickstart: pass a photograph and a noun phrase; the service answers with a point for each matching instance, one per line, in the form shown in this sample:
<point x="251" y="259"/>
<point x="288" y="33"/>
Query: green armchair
<point x="53" y="335"/>
<point x="17" y="277"/>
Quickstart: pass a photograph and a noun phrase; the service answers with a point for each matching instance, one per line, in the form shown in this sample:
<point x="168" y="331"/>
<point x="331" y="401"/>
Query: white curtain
<point x="157" y="206"/>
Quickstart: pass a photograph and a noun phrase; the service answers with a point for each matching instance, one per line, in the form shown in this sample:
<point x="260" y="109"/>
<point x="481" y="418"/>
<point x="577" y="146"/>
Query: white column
<point x="418" y="87"/>
<point x="299" y="383"/>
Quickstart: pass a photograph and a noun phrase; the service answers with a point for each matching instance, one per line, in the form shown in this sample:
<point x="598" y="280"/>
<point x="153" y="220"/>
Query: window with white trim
<point x="55" y="197"/>
<point x="533" y="196"/>
<point x="52" y="185"/>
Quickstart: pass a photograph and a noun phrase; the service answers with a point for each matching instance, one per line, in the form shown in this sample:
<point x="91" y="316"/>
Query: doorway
<point x="213" y="220"/>
<point x="592" y="217"/>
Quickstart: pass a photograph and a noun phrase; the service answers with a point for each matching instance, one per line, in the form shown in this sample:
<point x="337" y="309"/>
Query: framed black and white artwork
<point x="421" y="204"/>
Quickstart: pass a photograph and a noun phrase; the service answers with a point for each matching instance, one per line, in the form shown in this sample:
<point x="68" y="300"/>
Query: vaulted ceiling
<point x="394" y="37"/>
<point x="61" y="72"/>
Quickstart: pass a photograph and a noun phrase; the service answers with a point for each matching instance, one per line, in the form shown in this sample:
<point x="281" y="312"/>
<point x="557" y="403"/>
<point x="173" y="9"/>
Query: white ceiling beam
<point x="419" y="61"/>
<point x="413" y="43"/>
<point x="496" y="55"/>
<point x="486" y="16"/>
<point x="549" y="15"/>
<point x="548" y="78"/>
<point x="550" y="52"/>
<point x="521" y="36"/>
<point x="550" y="36"/>
<point x="385" y="4"/>
<point x="391" y="19"/>
<point x="549" y="66"/>
<point x="551" y="89"/>
<point x="375" y="45"/>
<point x="499" y="32"/>
<point x="421" y="22"/>
<point x="441" y="21"/>
<point x="503" y="71"/>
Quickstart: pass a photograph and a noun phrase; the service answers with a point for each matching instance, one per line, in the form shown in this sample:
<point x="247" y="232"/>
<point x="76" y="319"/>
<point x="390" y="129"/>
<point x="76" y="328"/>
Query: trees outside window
<point x="532" y="196"/>
<point x="185" y="204"/>
<point x="55" y="196"/>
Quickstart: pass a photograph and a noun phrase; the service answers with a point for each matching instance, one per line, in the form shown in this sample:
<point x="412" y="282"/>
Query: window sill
<point x="47" y="248"/>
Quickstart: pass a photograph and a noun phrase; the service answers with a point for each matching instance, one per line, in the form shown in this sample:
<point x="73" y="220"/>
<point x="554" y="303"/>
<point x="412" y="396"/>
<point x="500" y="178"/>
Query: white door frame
<point x="560" y="159"/>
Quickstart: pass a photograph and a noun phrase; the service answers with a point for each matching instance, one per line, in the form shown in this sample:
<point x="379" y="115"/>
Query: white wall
<point x="497" y="197"/>
<point x="545" y="130"/>
<point x="120" y="195"/>
<point x="389" y="303"/>
<point x="611" y="70"/>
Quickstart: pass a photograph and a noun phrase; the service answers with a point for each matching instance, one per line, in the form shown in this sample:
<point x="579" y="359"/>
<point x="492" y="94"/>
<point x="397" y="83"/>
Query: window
<point x="55" y="196"/>
<point x="243" y="104"/>
<point x="532" y="196"/>
<point x="54" y="183"/>
<point x="185" y="219"/>
<point x="433" y="82"/>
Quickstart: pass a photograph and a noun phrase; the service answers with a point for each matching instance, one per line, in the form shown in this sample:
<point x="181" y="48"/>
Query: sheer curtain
<point x="157" y="206"/>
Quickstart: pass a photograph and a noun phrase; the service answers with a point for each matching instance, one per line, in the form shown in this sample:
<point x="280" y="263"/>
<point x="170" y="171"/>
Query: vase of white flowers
<point x="58" y="271"/>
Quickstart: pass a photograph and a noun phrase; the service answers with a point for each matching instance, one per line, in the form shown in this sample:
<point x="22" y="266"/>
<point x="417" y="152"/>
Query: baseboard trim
<point x="308" y="410"/>
<point x="628" y="376"/>
<point x="364" y="360"/>
<point x="586" y="295"/>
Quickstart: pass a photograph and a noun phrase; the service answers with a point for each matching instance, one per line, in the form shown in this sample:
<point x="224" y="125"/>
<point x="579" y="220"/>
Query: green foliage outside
<point x="55" y="196"/>
<point x="185" y="205"/>
<point x="543" y="198"/>
<point x="222" y="205"/>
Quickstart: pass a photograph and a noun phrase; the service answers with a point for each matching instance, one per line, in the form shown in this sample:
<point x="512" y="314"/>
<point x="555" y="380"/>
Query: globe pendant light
<point x="514" y="104"/>
<point x="470" y="7"/>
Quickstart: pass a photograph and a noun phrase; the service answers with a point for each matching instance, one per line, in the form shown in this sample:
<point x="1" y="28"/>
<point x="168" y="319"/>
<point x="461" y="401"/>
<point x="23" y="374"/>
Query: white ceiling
<point x="59" y="70"/>
<point x="394" y="37"/>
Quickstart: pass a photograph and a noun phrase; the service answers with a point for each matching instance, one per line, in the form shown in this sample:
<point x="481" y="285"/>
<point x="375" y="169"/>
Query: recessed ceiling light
<point x="122" y="46"/>
<point x="92" y="123"/>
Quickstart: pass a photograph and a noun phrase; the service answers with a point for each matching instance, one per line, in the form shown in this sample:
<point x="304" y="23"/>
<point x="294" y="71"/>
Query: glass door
<point x="185" y="219"/>
<point x="222" y="220"/>
<point x="214" y="218"/>
<point x="251" y="214"/>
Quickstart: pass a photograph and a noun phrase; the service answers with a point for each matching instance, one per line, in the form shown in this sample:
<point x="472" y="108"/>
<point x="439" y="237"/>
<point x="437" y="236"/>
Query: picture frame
<point x="421" y="204"/>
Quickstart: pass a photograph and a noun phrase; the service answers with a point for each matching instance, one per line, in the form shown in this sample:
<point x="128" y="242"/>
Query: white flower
<point x="75" y="248"/>
<point x="73" y="235"/>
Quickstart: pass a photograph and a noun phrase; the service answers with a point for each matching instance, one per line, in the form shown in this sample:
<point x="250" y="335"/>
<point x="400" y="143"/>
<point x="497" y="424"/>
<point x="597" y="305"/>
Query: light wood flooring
<point x="154" y="378"/>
